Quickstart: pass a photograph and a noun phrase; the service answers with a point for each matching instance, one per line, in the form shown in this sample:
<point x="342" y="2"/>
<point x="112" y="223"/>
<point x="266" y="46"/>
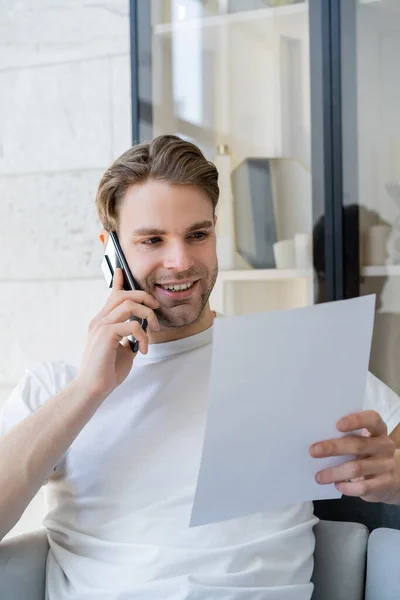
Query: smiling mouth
<point x="178" y="287"/>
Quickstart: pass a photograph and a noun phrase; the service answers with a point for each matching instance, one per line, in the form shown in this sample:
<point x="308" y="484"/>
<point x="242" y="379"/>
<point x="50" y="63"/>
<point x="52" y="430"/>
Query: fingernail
<point x="317" y="450"/>
<point x="318" y="478"/>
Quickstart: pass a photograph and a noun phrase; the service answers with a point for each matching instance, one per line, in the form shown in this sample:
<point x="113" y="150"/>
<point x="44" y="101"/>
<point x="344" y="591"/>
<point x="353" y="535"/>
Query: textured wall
<point x="64" y="117"/>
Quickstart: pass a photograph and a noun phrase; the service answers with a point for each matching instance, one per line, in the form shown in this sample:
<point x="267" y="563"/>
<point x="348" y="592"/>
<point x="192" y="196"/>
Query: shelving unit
<point x="255" y="290"/>
<point x="265" y="274"/>
<point x="266" y="51"/>
<point x="381" y="271"/>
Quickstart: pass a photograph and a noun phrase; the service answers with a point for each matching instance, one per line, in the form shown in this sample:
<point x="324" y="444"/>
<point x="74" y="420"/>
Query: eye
<point x="152" y="241"/>
<point x="199" y="235"/>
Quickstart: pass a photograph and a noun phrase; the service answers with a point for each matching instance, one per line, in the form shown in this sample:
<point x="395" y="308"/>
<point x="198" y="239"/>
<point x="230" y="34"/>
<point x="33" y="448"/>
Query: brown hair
<point x="167" y="158"/>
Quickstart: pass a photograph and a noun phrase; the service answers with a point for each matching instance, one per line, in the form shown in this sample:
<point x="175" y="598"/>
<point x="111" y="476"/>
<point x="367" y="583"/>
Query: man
<point x="120" y="438"/>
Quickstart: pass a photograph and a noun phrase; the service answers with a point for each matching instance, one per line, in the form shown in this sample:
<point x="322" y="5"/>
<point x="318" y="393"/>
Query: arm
<point x="29" y="451"/>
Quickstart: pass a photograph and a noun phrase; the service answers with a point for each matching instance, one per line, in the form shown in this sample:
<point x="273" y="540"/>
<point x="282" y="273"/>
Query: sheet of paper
<point x="279" y="382"/>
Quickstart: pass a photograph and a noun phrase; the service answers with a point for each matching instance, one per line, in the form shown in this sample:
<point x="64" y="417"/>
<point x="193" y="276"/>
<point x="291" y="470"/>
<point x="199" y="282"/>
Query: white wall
<point x="64" y="117"/>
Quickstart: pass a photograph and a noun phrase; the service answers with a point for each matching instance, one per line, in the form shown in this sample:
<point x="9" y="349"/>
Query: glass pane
<point x="376" y="174"/>
<point x="250" y="5"/>
<point x="233" y="77"/>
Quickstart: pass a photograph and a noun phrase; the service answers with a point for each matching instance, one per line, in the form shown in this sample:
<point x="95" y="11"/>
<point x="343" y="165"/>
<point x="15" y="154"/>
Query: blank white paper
<point x="279" y="382"/>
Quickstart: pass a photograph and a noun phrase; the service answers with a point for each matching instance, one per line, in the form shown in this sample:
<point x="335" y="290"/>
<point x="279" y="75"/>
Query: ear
<point x="103" y="237"/>
<point x="215" y="220"/>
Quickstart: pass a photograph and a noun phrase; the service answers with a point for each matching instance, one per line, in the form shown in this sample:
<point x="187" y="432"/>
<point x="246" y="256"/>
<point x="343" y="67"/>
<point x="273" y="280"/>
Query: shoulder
<point x="379" y="397"/>
<point x="53" y="374"/>
<point x="47" y="377"/>
<point x="38" y="384"/>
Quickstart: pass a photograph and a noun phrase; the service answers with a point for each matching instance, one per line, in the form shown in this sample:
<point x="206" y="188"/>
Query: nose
<point x="177" y="256"/>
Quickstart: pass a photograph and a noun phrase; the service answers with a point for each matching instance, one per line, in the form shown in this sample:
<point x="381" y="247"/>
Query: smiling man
<point x="172" y="248"/>
<point x="120" y="438"/>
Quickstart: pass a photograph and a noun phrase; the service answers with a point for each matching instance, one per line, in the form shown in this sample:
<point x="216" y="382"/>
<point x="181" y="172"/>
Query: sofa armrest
<point x="339" y="560"/>
<point x="383" y="565"/>
<point x="23" y="566"/>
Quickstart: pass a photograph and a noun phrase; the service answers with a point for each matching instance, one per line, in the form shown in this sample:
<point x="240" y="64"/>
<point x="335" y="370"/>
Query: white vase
<point x="303" y="250"/>
<point x="226" y="246"/>
<point x="285" y="254"/>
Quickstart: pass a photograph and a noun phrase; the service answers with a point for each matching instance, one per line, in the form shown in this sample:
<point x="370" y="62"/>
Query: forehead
<point x="163" y="205"/>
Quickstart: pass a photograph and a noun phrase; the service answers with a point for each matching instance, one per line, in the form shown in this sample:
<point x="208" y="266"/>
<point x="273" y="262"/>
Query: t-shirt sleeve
<point x="383" y="400"/>
<point x="37" y="386"/>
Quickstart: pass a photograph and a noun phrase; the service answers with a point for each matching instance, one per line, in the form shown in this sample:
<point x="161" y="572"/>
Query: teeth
<point x="177" y="288"/>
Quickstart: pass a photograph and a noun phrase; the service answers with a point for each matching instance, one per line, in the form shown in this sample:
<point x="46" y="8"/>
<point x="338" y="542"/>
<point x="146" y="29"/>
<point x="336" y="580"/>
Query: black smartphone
<point x="113" y="259"/>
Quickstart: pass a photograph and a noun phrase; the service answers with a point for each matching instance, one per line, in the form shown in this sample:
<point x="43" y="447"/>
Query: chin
<point x="179" y="316"/>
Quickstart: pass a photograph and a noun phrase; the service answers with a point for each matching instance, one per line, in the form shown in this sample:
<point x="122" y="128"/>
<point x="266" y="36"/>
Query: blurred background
<point x="296" y="102"/>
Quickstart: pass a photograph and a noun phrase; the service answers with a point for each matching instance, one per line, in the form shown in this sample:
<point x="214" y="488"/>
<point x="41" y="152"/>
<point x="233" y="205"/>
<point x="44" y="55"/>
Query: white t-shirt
<point x="120" y="500"/>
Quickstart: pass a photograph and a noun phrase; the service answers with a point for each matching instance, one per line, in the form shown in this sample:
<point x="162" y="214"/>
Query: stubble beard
<point x="167" y="318"/>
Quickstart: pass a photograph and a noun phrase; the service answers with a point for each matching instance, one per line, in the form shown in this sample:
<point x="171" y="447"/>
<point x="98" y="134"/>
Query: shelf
<point x="381" y="271"/>
<point x="288" y="274"/>
<point x="265" y="274"/>
<point x="231" y="18"/>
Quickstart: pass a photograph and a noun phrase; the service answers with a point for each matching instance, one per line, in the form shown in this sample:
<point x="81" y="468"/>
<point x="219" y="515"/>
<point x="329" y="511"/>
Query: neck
<point x="171" y="334"/>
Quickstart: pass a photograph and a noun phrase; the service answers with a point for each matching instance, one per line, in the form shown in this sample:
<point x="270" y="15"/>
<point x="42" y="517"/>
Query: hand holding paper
<point x="280" y="381"/>
<point x="371" y="472"/>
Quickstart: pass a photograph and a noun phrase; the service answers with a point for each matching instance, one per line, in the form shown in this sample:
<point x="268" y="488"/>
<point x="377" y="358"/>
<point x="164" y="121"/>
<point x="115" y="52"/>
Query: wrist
<point x="87" y="391"/>
<point x="393" y="496"/>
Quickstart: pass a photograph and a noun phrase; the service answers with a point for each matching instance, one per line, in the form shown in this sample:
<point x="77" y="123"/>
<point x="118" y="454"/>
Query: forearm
<point x="29" y="451"/>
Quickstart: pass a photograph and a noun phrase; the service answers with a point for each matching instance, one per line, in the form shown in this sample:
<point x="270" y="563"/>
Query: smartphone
<point x="113" y="259"/>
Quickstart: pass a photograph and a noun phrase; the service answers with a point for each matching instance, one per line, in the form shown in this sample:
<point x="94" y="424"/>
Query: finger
<point x="120" y="296"/>
<point x="354" y="469"/>
<point x="353" y="444"/>
<point x="367" y="419"/>
<point x="123" y="330"/>
<point x="118" y="280"/>
<point x="128" y="309"/>
<point x="379" y="486"/>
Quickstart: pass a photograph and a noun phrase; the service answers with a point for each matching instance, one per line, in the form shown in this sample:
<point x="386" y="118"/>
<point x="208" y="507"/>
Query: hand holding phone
<point x="108" y="358"/>
<point x="113" y="259"/>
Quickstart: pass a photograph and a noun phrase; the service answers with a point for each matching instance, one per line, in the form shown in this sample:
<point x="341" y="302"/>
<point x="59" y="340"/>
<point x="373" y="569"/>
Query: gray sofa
<point x="350" y="564"/>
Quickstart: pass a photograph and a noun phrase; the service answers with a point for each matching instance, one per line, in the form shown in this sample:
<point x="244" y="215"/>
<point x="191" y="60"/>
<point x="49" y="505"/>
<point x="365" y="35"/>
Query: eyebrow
<point x="151" y="231"/>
